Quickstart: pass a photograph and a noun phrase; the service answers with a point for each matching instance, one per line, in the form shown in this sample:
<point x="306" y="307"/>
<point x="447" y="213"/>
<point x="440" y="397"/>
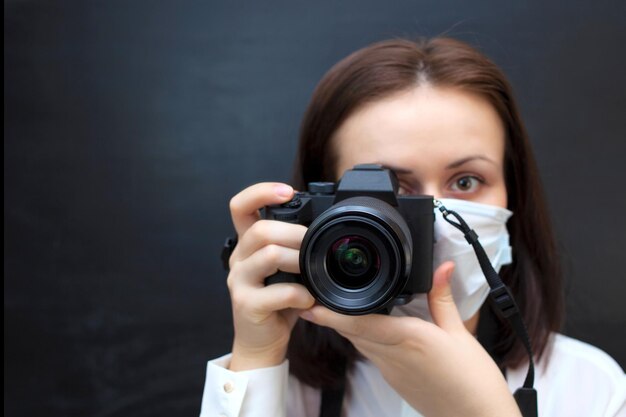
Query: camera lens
<point x="352" y="262"/>
<point x="356" y="256"/>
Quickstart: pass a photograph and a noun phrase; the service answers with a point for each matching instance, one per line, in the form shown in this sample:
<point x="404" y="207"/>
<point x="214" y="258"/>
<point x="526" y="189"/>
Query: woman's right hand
<point x="263" y="316"/>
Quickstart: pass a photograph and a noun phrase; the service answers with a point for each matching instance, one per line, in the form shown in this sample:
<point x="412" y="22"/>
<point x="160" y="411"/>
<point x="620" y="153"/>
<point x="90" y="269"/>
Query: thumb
<point x="440" y="300"/>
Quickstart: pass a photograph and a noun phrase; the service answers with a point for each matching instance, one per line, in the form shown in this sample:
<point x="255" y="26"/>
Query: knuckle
<point x="232" y="259"/>
<point x="291" y="294"/>
<point x="235" y="204"/>
<point x="261" y="230"/>
<point x="272" y="254"/>
<point x="231" y="280"/>
<point x="229" y="283"/>
<point x="238" y="300"/>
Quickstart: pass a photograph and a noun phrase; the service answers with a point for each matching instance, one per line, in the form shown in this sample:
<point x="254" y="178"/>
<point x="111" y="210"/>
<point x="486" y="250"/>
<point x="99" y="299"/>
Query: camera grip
<point x="281" y="276"/>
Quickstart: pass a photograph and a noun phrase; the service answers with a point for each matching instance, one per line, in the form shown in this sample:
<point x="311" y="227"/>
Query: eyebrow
<point x="455" y="164"/>
<point x="467" y="159"/>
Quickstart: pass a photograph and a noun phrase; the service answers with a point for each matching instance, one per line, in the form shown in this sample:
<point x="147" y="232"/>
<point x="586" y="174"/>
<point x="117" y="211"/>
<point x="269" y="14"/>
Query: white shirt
<point x="577" y="380"/>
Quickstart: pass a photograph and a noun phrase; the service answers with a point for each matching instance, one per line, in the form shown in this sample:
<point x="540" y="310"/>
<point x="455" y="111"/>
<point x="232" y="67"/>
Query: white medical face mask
<point x="469" y="286"/>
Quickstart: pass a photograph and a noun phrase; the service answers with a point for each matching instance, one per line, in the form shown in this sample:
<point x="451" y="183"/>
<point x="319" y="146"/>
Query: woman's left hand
<point x="438" y="368"/>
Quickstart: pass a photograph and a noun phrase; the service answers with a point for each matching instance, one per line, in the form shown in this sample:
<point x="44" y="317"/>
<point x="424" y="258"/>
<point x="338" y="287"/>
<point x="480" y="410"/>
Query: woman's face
<point x="440" y="141"/>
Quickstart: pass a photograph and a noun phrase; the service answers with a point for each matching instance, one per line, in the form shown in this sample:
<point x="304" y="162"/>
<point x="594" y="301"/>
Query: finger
<point x="282" y="296"/>
<point x="440" y="300"/>
<point x="373" y="351"/>
<point x="266" y="232"/>
<point x="378" y="328"/>
<point x="244" y="207"/>
<point x="268" y="260"/>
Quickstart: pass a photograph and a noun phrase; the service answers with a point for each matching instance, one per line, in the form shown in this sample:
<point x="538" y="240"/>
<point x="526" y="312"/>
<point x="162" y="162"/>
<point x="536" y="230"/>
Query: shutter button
<point x="295" y="202"/>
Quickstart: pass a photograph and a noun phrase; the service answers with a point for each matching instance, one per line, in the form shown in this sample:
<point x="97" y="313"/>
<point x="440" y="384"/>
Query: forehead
<point x="420" y="129"/>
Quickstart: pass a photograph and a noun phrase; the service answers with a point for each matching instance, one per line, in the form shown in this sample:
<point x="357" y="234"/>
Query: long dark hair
<point x="317" y="355"/>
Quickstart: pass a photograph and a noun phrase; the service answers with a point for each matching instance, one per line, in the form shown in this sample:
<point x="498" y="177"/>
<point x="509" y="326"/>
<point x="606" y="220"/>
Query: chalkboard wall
<point x="129" y="124"/>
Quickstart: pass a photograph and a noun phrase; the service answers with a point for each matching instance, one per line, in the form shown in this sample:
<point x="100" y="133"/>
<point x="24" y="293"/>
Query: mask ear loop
<point x="526" y="396"/>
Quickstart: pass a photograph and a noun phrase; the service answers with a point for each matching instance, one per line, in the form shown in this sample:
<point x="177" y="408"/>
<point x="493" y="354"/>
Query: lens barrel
<point x="356" y="256"/>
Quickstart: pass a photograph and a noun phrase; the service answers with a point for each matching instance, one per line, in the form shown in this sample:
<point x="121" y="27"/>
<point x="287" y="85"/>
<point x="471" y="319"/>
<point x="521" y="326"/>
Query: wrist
<point x="243" y="359"/>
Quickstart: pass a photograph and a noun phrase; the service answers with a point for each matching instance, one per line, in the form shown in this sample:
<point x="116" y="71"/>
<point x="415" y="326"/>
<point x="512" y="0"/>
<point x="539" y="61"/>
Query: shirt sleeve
<point x="253" y="393"/>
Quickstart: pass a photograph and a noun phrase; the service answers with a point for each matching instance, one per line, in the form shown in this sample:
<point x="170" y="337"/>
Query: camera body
<point x="366" y="248"/>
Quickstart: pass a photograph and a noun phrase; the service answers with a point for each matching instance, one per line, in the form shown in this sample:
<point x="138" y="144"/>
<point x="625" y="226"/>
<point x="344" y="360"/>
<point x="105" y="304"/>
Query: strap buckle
<point x="504" y="301"/>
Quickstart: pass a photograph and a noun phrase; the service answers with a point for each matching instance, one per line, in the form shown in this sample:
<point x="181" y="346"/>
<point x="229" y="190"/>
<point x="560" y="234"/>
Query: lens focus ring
<point x="356" y="256"/>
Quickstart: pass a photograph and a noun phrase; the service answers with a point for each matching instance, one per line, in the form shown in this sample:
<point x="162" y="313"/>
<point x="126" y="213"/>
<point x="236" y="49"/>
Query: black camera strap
<point x="332" y="397"/>
<point x="505" y="305"/>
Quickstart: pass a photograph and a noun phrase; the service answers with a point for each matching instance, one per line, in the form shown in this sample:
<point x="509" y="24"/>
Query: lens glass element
<point x="352" y="262"/>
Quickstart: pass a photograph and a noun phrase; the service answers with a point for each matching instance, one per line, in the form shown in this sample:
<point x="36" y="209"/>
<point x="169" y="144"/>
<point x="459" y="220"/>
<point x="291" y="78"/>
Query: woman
<point x="443" y="117"/>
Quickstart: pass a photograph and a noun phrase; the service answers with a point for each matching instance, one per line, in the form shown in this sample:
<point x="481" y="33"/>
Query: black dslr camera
<point x="366" y="248"/>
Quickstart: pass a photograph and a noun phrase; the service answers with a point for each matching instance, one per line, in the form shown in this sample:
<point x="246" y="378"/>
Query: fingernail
<point x="283" y="190"/>
<point x="307" y="315"/>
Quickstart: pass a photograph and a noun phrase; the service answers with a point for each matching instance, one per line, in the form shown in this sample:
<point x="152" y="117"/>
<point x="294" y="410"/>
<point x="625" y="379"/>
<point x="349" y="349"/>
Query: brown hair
<point x="389" y="67"/>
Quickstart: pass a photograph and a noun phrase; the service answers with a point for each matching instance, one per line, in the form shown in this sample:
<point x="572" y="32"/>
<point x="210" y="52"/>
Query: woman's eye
<point x="467" y="183"/>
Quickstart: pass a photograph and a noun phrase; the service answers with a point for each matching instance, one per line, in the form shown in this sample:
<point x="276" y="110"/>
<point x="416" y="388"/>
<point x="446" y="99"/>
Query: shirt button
<point x="229" y="387"/>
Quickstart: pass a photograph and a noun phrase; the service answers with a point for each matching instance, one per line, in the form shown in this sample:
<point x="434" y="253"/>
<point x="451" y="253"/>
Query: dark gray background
<point x="129" y="124"/>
